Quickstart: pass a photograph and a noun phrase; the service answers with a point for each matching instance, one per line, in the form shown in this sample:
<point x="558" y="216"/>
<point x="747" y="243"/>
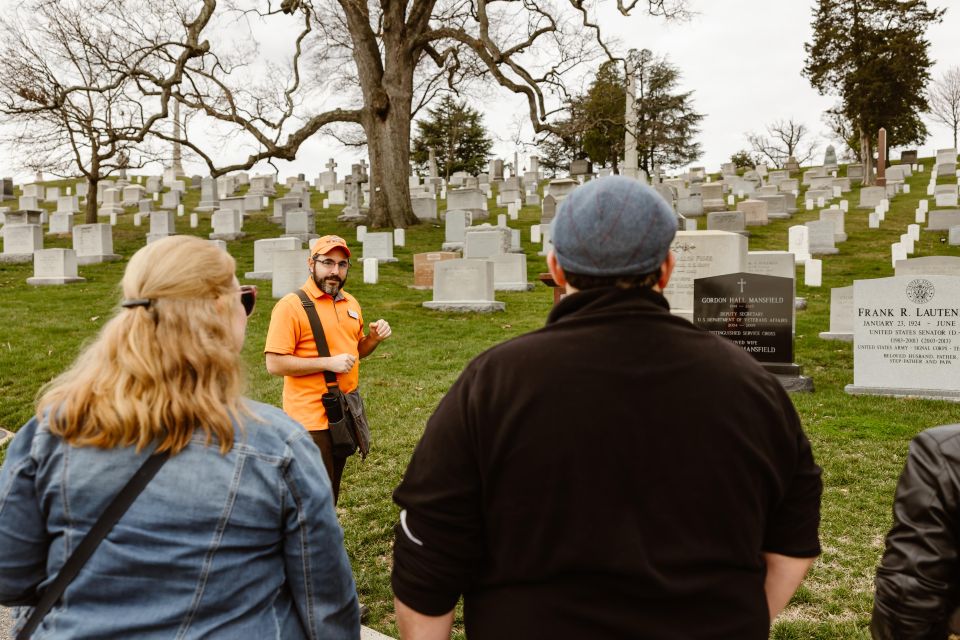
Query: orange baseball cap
<point x="326" y="244"/>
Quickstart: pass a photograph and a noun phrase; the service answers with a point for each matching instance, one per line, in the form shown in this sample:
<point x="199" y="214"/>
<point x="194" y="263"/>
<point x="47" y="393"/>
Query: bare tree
<point x="68" y="88"/>
<point x="783" y="138"/>
<point x="371" y="64"/>
<point x="944" y="99"/>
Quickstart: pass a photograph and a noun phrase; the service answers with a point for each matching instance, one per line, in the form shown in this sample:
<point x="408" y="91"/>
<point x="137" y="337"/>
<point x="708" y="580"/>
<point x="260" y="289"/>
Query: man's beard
<point x="330" y="285"/>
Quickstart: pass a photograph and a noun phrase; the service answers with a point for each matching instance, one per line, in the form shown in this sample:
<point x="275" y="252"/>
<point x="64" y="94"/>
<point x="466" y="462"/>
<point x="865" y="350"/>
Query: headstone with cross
<point x="756" y="312"/>
<point x="354" y="211"/>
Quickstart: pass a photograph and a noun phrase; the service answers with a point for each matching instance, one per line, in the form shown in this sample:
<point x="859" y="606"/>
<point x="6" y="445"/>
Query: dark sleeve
<point x="23" y="528"/>
<point x="919" y="566"/>
<point x="792" y="528"/>
<point x="439" y="539"/>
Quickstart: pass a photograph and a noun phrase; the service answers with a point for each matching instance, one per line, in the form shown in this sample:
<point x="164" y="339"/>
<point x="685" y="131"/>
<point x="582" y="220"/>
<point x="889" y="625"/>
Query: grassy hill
<point x="859" y="441"/>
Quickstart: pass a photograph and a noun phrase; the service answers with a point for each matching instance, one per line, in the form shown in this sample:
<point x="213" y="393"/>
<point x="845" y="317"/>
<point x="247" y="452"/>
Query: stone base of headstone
<point x="108" y="257"/>
<point x="778" y="216"/>
<point x="466" y="307"/>
<point x="840" y="237"/>
<point x="386" y="260"/>
<point x="789" y="376"/>
<point x="303" y="237"/>
<point x="452" y="246"/>
<point x="258" y="275"/>
<point x="513" y="286"/>
<point x="207" y="207"/>
<point x="45" y="281"/>
<point x="831" y="251"/>
<point x="15" y="258"/>
<point x="107" y="210"/>
<point x="924" y="394"/>
<point x="230" y="237"/>
<point x="842" y="337"/>
<point x="354" y="217"/>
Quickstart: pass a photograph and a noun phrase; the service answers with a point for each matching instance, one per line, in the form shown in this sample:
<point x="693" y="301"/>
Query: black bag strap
<point x="114" y="511"/>
<point x="318" y="335"/>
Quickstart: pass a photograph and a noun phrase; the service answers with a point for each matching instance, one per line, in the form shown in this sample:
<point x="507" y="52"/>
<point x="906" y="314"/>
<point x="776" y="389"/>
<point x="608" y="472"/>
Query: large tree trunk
<point x="388" y="139"/>
<point x="90" y="215"/>
<point x="866" y="157"/>
<point x="387" y="86"/>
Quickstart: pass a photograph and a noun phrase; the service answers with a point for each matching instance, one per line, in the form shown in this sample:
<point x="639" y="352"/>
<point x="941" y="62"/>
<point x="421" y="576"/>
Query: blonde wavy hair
<point x="158" y="372"/>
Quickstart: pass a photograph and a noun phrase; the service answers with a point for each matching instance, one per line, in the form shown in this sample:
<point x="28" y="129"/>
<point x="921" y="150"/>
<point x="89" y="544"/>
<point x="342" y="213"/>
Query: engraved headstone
<point x="289" y="271"/>
<point x="702" y="254"/>
<point x="379" y="246"/>
<point x="20" y="242"/>
<point x="54" y="266"/>
<point x="907" y="337"/>
<point x="93" y="243"/>
<point x="756" y="313"/>
<point x="464" y="286"/>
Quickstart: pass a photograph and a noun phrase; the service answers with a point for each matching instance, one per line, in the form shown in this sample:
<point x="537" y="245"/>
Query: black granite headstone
<point x="754" y="311"/>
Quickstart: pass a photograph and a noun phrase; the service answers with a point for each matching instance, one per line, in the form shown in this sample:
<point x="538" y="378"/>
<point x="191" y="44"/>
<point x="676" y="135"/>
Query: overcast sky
<point x="741" y="58"/>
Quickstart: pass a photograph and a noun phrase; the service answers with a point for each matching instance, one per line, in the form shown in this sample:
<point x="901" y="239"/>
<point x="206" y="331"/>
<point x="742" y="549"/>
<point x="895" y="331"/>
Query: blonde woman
<point x="236" y="535"/>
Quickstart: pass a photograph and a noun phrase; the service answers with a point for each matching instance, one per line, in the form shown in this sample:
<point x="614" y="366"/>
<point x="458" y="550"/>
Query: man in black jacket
<point x="618" y="473"/>
<point x="918" y="591"/>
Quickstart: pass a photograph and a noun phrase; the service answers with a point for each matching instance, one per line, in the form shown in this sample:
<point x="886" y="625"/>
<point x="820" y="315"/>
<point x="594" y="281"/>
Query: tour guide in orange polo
<point x="291" y="351"/>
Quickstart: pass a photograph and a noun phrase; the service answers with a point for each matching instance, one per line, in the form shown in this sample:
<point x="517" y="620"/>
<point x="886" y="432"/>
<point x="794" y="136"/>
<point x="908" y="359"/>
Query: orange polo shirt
<point x="290" y="334"/>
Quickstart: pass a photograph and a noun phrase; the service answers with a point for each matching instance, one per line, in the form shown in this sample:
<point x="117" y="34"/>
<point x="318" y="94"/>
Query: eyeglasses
<point x="327" y="263"/>
<point x="248" y="297"/>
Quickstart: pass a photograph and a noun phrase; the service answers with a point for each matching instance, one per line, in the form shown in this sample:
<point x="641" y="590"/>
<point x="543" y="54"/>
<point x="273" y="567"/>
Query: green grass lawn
<point x="859" y="441"/>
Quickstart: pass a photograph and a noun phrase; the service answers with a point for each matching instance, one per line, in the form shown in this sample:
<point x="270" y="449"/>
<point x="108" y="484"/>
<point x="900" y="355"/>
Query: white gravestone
<point x="821" y="237"/>
<point x="701" y="254"/>
<point x="61" y="223"/>
<point x="464" y="286"/>
<point x="289" y="271"/>
<point x="371" y="270"/>
<point x="928" y="265"/>
<point x="838" y="219"/>
<point x="94" y="243"/>
<point x="510" y="272"/>
<point x="486" y="241"/>
<point x="161" y="225"/>
<point x="226" y="225"/>
<point x="841" y="315"/>
<point x="54" y="266"/>
<point x="798" y="242"/>
<point x="379" y="246"/>
<point x="813" y="273"/>
<point x="907" y="337"/>
<point x="20" y="242"/>
<point x="942" y="220"/>
<point x="263" y="256"/>
<point x="455" y="225"/>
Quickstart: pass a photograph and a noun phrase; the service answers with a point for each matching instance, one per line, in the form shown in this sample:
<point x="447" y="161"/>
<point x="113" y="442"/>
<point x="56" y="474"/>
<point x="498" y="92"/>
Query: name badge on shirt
<point x="353" y="314"/>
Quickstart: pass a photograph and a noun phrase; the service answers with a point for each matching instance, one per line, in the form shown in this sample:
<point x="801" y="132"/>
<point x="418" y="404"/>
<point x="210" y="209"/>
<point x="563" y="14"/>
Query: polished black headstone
<point x="754" y="311"/>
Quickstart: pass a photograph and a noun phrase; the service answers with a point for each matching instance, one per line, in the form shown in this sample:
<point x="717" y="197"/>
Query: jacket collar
<point x="314" y="291"/>
<point x="605" y="299"/>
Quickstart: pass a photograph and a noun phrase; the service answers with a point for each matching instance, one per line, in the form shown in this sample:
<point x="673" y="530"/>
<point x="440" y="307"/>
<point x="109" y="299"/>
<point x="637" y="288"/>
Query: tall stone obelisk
<point x="631" y="159"/>
<point x="177" y="164"/>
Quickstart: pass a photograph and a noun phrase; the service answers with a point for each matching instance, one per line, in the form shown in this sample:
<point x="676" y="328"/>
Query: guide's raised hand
<point x="380" y="330"/>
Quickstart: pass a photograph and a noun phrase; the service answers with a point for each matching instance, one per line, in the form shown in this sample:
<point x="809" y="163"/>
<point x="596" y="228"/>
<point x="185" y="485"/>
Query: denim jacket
<point x="242" y="545"/>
